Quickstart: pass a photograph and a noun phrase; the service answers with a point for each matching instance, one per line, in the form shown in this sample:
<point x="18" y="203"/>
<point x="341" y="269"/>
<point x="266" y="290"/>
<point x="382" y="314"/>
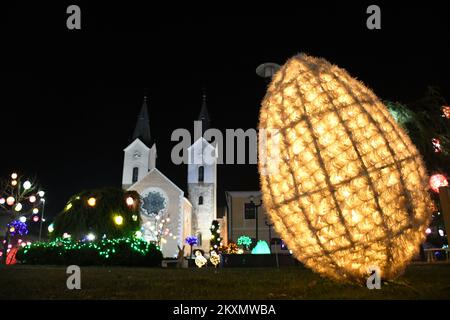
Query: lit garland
<point x="350" y="189"/>
<point x="105" y="247"/>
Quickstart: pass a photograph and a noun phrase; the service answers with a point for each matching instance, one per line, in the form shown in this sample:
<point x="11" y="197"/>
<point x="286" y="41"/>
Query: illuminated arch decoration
<point x="350" y="190"/>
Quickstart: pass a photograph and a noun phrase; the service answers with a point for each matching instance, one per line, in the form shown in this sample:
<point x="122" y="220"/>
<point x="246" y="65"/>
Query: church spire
<point x="142" y="130"/>
<point x="204" y="115"/>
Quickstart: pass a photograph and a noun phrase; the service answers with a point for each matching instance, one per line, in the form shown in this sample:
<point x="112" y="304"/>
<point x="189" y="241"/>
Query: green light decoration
<point x="261" y="248"/>
<point x="245" y="241"/>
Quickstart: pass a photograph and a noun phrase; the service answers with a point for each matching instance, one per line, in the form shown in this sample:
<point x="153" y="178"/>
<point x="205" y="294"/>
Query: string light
<point x="130" y="201"/>
<point x="27" y="185"/>
<point x="2" y="200"/>
<point x="14" y="176"/>
<point x="10" y="201"/>
<point x="35" y="210"/>
<point x="32" y="199"/>
<point x="18" y="207"/>
<point x="118" y="220"/>
<point x="350" y="189"/>
<point x="14" y="183"/>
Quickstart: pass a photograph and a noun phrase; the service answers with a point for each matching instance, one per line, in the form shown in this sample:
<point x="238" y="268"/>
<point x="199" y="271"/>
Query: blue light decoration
<point x="261" y="248"/>
<point x="191" y="240"/>
<point x="17" y="227"/>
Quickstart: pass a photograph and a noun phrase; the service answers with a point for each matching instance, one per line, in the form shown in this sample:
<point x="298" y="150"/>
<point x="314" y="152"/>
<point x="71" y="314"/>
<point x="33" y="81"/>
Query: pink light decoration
<point x="436" y="145"/>
<point x="436" y="181"/>
<point x="35" y="218"/>
<point x="446" y="112"/>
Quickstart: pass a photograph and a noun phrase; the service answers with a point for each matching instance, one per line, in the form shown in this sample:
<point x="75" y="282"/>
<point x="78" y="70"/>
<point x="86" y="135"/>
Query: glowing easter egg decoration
<point x="349" y="190"/>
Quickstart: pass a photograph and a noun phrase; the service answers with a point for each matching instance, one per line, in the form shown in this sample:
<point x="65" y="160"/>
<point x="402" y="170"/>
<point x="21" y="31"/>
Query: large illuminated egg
<point x="342" y="182"/>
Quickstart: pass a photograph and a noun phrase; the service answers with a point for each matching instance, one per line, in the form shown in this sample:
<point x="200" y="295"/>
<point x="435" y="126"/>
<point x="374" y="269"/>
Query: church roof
<point x="142" y="130"/>
<point x="204" y="115"/>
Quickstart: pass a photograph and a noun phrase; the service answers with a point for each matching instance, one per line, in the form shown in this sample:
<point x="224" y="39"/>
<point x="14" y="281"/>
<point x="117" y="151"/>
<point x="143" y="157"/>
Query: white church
<point x="165" y="207"/>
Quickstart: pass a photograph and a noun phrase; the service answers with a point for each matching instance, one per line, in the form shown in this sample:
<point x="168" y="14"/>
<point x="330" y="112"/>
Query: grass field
<point x="47" y="282"/>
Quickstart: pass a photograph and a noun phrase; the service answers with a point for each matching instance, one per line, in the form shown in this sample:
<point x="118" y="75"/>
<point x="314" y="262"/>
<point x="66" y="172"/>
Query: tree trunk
<point x="5" y="247"/>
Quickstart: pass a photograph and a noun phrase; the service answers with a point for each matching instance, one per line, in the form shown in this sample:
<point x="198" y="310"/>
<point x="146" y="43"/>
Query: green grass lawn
<point x="48" y="282"/>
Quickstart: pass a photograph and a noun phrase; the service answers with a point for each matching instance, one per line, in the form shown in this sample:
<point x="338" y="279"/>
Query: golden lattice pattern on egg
<point x="350" y="189"/>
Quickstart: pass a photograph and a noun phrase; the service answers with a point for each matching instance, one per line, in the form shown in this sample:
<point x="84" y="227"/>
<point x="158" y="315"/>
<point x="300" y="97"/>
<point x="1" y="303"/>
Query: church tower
<point x="140" y="155"/>
<point x="202" y="186"/>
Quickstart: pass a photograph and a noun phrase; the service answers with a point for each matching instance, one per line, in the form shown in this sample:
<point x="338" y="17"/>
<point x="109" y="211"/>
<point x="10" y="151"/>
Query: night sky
<point x="70" y="99"/>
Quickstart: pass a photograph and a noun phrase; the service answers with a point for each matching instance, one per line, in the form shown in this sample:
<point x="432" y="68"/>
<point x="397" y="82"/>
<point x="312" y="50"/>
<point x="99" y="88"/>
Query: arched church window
<point x="135" y="174"/>
<point x="200" y="200"/>
<point x="201" y="174"/>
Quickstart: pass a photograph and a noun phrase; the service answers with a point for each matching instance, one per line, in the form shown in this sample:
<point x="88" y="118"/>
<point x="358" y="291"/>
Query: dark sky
<point x="69" y="99"/>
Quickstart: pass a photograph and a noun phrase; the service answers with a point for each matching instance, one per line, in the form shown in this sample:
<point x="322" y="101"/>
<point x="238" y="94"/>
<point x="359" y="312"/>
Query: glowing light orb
<point x="51" y="228"/>
<point x="118" y="220"/>
<point x="349" y="189"/>
<point x="2" y="200"/>
<point x="428" y="231"/>
<point x="27" y="185"/>
<point x="35" y="218"/>
<point x="32" y="199"/>
<point x="436" y="181"/>
<point x="14" y="183"/>
<point x="10" y="201"/>
<point x="130" y="201"/>
<point x="90" y="237"/>
<point x="41" y="193"/>
<point x="35" y="210"/>
<point x="441" y="232"/>
<point x="92" y="202"/>
<point x="14" y="176"/>
<point x="18" y="207"/>
<point x="134" y="217"/>
<point x="446" y="112"/>
<point x="68" y="207"/>
<point x="23" y="219"/>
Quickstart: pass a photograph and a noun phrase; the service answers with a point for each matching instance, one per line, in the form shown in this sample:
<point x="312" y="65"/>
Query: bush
<point x="119" y="252"/>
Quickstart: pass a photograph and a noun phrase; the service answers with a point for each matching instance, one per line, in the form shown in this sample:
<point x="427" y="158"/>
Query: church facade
<point x="168" y="214"/>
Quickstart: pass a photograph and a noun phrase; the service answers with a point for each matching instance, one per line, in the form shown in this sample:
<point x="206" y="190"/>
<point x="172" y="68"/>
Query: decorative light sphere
<point x="118" y="220"/>
<point x="27" y="185"/>
<point x="438" y="180"/>
<point x="90" y="237"/>
<point x="41" y="193"/>
<point x="35" y="210"/>
<point x="18" y="207"/>
<point x="35" y="218"/>
<point x="23" y="219"/>
<point x="14" y="176"/>
<point x="10" y="201"/>
<point x="2" y="200"/>
<point x="14" y="183"/>
<point x="51" y="228"/>
<point x="441" y="232"/>
<point x="92" y="202"/>
<point x="32" y="199"/>
<point x="349" y="190"/>
<point x="130" y="201"/>
<point x="428" y="231"/>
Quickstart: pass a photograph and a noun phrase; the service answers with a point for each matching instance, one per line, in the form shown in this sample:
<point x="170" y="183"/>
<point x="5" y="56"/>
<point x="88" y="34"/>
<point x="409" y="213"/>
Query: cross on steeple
<point x="204" y="115"/>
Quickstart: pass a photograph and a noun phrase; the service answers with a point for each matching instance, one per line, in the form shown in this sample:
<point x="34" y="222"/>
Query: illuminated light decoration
<point x="23" y="219"/>
<point x="436" y="145"/>
<point x="2" y="200"/>
<point x="134" y="217"/>
<point x="51" y="228"/>
<point x="41" y="193"/>
<point x="10" y="201"/>
<point x="66" y="235"/>
<point x="118" y="220"/>
<point x="436" y="181"/>
<point x="245" y="241"/>
<point x="27" y="185"/>
<point x="14" y="176"/>
<point x="18" y="207"/>
<point x="428" y="231"/>
<point x="14" y="183"/>
<point x="92" y="202"/>
<point x="138" y="234"/>
<point x="200" y="260"/>
<point x="441" y="232"/>
<point x="167" y="220"/>
<point x="32" y="199"/>
<point x="17" y="227"/>
<point x="35" y="210"/>
<point x="446" y="112"/>
<point x="130" y="201"/>
<point x="90" y="237"/>
<point x="349" y="190"/>
<point x="35" y="218"/>
<point x="261" y="248"/>
<point x="68" y="207"/>
<point x="214" y="258"/>
<point x="240" y="251"/>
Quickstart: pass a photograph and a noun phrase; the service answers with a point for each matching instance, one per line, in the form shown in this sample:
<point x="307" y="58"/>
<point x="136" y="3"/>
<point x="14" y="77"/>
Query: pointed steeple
<point x="142" y="130"/>
<point x="204" y="115"/>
